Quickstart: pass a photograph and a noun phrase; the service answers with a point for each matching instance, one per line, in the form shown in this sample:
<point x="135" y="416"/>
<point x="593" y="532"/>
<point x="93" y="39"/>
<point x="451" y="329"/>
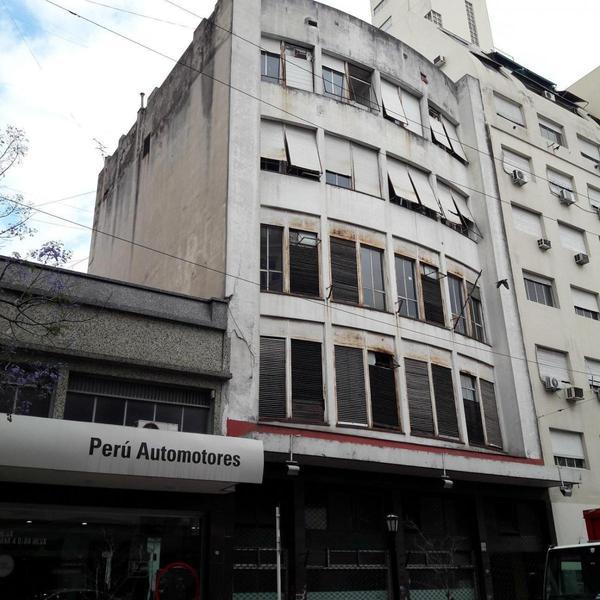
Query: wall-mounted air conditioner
<point x="544" y="244"/>
<point x="519" y="177"/>
<point x="567" y="197"/>
<point x="574" y="393"/>
<point x="439" y="61"/>
<point x="552" y="384"/>
<point x="582" y="259"/>
<point x="158" y="425"/>
<point x="549" y="96"/>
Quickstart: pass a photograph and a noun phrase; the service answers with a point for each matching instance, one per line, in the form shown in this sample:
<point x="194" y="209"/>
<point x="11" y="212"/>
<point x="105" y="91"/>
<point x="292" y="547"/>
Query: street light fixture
<point x="392" y="522"/>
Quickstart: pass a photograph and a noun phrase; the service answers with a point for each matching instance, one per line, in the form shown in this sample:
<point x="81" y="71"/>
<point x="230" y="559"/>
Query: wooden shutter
<point x="344" y="276"/>
<point x="272" y="394"/>
<point x="419" y="398"/>
<point x="382" y="384"/>
<point x="432" y="299"/>
<point x="492" y="423"/>
<point x="304" y="263"/>
<point x="474" y="424"/>
<point x="444" y="401"/>
<point x="307" y="381"/>
<point x="350" y="385"/>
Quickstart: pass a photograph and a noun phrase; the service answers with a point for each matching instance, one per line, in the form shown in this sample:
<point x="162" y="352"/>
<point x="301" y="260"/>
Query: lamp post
<point x="392" y="522"/>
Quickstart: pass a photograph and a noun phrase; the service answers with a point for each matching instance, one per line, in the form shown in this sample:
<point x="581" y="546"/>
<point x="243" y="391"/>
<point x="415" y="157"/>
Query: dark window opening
<point x="432" y="295"/>
<point x="284" y="168"/>
<point x="360" y="86"/>
<point x="307" y="381"/>
<point x="272" y="388"/>
<point x="445" y="405"/>
<point x="382" y="385"/>
<point x="146" y="146"/>
<point x="472" y="408"/>
<point x="371" y="271"/>
<point x="344" y="272"/>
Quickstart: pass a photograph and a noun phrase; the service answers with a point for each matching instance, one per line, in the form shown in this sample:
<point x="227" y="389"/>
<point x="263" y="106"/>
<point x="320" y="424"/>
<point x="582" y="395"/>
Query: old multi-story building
<point x="338" y="188"/>
<point x="114" y="480"/>
<point x="546" y="150"/>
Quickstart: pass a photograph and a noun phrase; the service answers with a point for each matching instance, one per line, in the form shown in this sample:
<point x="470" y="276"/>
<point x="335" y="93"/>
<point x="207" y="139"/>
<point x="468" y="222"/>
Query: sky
<point x="74" y="87"/>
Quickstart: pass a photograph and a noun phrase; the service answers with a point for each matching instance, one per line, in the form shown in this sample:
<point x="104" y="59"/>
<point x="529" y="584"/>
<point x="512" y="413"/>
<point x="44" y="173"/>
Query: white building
<point x="337" y="187"/>
<point x="550" y="218"/>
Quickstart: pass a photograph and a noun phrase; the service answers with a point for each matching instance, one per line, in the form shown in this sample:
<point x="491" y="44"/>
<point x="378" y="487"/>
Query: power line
<point x="136" y="14"/>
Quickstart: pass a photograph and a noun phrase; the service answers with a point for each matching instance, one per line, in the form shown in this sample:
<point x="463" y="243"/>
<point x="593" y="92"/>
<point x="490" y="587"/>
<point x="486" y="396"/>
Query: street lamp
<point x="392" y="522"/>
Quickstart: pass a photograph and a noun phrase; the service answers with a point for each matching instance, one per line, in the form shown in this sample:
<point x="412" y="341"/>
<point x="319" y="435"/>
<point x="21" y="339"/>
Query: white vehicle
<point x="573" y="572"/>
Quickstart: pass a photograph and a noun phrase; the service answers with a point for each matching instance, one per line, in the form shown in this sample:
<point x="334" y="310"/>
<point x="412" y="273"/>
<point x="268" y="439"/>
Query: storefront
<point x="91" y="511"/>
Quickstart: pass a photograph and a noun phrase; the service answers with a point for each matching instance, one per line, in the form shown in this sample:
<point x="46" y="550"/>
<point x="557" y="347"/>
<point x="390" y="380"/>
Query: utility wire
<point x="136" y="14"/>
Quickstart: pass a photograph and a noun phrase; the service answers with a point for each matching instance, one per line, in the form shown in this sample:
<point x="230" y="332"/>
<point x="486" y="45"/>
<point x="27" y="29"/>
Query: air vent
<point x="544" y="244"/>
<point x="311" y="22"/>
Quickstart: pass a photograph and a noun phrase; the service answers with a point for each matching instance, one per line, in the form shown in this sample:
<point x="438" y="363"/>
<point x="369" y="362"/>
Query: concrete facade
<point x="556" y="325"/>
<point x="587" y="87"/>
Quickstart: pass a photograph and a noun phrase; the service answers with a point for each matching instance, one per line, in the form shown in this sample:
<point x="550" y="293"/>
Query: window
<point x="472" y="408"/>
<point x="572" y="239"/>
<point x="345" y="81"/>
<point x="509" y="110"/>
<point x="401" y="107"/>
<point x="333" y="82"/>
<point x="567" y="447"/>
<point x="270" y="67"/>
<point x="457" y="304"/>
<point x="434" y="17"/>
<point x="445" y="135"/>
<point x="351" y="166"/>
<point x="371" y="261"/>
<point x="26" y="389"/>
<point x="558" y="182"/>
<point x="594" y="196"/>
<point x="432" y="295"/>
<point x="298" y="68"/>
<point x="271" y="258"/>
<point x="585" y="304"/>
<point x="360" y="85"/>
<point x="120" y="402"/>
<point x="472" y="23"/>
<point x="538" y="289"/>
<point x="551" y="131"/>
<point x="454" y="206"/>
<point x="511" y="161"/>
<point x="590" y="150"/>
<point x="382" y="386"/>
<point x="289" y="150"/>
<point x="419" y="397"/>
<point x="592" y="367"/>
<point x="554" y="364"/>
<point x="344" y="273"/>
<point x="408" y="304"/>
<point x="304" y="370"/>
<point x="304" y="263"/>
<point x="476" y="313"/>
<point x="527" y="222"/>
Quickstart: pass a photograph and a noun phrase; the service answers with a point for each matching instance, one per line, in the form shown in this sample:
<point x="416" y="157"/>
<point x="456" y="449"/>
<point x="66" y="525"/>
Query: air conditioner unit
<point x="157" y="425"/>
<point x="567" y="197"/>
<point x="519" y="177"/>
<point x="549" y="96"/>
<point x="439" y="61"/>
<point x="574" y="393"/>
<point x="551" y="383"/>
<point x="582" y="259"/>
<point x="544" y="244"/>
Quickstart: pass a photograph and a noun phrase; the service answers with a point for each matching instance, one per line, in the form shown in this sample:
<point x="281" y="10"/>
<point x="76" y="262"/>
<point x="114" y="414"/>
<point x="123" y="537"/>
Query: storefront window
<point x="81" y="554"/>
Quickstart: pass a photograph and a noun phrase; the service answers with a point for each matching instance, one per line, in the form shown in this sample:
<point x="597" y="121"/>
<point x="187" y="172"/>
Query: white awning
<point x="298" y="68"/>
<point x="583" y="299"/>
<point x="438" y="132"/>
<point x="392" y="105"/>
<point x="552" y="363"/>
<point x="567" y="443"/>
<point x="424" y="192"/>
<point x="366" y="170"/>
<point x="527" y="222"/>
<point x="453" y="138"/>
<point x="272" y="143"/>
<point x="412" y="110"/>
<point x="572" y="238"/>
<point x="270" y="45"/>
<point x="445" y="197"/>
<point x="337" y="155"/>
<point x="398" y="174"/>
<point x="302" y="146"/>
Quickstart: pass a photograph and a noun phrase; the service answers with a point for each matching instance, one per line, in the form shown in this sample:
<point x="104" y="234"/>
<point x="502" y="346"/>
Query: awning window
<point x="302" y="148"/>
<point x="423" y="188"/>
<point x="272" y="144"/>
<point x="400" y="180"/>
<point x="392" y="104"/>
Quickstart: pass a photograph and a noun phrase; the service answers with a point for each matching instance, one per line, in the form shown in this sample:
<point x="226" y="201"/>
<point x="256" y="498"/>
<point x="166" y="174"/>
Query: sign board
<point x="35" y="449"/>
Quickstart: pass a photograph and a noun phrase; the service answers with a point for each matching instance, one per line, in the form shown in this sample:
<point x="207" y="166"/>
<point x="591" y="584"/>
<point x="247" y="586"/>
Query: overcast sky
<point x="75" y="88"/>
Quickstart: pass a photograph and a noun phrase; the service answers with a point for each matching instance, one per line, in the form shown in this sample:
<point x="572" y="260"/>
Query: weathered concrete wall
<point x="172" y="198"/>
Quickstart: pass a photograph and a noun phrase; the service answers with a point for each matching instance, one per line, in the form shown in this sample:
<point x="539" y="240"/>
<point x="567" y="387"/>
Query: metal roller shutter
<point x="490" y="409"/>
<point x="344" y="277"/>
<point x="307" y="381"/>
<point x="272" y="393"/>
<point x="444" y="401"/>
<point x="350" y="385"/>
<point x="419" y="398"/>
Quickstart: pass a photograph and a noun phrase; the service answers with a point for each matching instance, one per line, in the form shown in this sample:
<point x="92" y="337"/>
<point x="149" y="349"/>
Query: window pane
<point x="167" y="413"/>
<point x="457" y="302"/>
<point x="139" y="411"/>
<point x="271" y="258"/>
<point x="407" y="291"/>
<point x="33" y="402"/>
<point x="270" y="66"/>
<point x="110" y="411"/>
<point x="333" y="82"/>
<point x="195" y="419"/>
<point x="79" y="407"/>
<point x="372" y="277"/>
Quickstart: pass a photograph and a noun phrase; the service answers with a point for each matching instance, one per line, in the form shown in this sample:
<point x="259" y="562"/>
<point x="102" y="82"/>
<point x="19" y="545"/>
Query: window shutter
<point x="590" y="149"/>
<point x="432" y="299"/>
<point x="567" y="443"/>
<point x="437" y="131"/>
<point x="444" y="401"/>
<point x="392" y="105"/>
<point x="460" y="202"/>
<point x="272" y="393"/>
<point x="419" y="398"/>
<point x="583" y="299"/>
<point x="272" y="143"/>
<point x="270" y="45"/>
<point x="553" y="363"/>
<point x="302" y="147"/>
<point x="366" y="170"/>
<point x="445" y="196"/>
<point x="474" y="424"/>
<point x="350" y="385"/>
<point x="509" y="110"/>
<point x="558" y="181"/>
<point x="298" y="68"/>
<point x="424" y="191"/>
<point x="453" y="138"/>
<point x="594" y="196"/>
<point x="304" y="263"/>
<point x="527" y="222"/>
<point x="490" y="409"/>
<point x="593" y="369"/>
<point x="400" y="180"/>
<point x="412" y="108"/>
<point x="337" y="155"/>
<point x="344" y="276"/>
<point x="382" y="385"/>
<point x="511" y="161"/>
<point x="307" y="381"/>
<point x="333" y="63"/>
<point x="572" y="238"/>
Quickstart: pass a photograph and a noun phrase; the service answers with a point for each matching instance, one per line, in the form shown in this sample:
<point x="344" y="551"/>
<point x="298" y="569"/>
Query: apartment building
<point x="114" y="480"/>
<point x="324" y="176"/>
<point x="546" y="150"/>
